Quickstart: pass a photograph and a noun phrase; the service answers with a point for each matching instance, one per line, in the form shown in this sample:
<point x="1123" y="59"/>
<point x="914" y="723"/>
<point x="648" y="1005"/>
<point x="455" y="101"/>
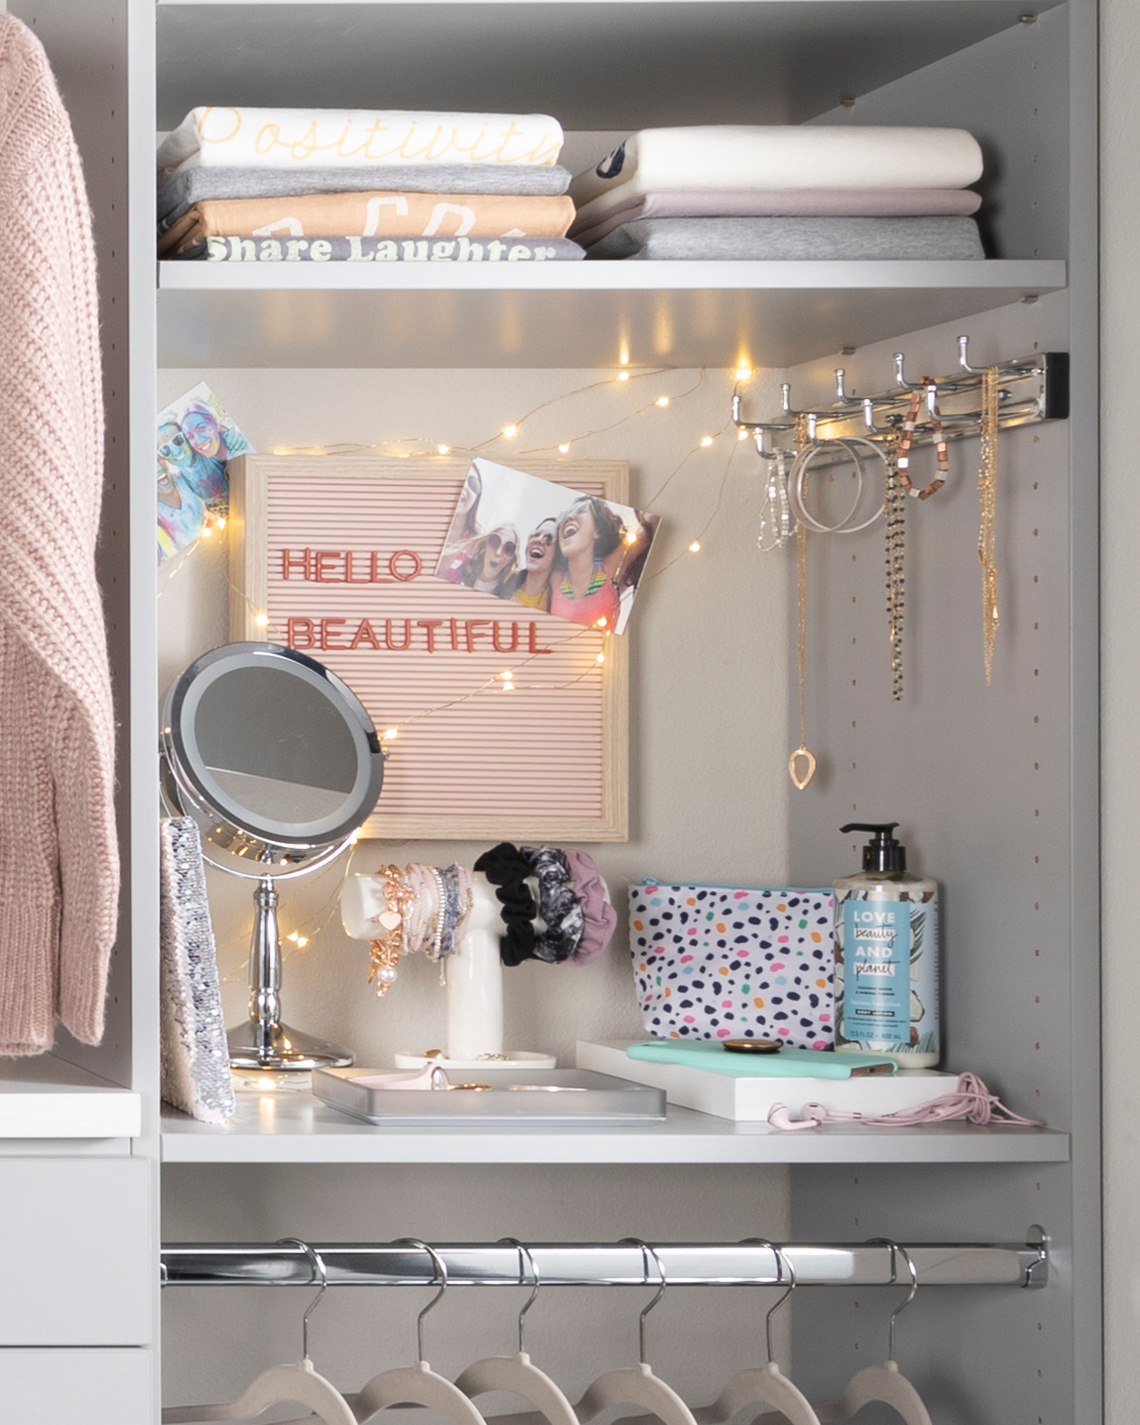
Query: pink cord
<point x="970" y="1100"/>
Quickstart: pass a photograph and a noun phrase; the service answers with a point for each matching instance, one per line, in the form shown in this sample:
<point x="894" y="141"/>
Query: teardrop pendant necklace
<point x="801" y="764"/>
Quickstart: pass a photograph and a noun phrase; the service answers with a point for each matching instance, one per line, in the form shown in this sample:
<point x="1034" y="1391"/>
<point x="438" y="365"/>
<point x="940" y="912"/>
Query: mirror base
<point x="288" y="1050"/>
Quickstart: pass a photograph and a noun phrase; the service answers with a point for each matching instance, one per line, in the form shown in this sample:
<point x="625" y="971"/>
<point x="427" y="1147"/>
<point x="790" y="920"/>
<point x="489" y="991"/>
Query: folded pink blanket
<point x="601" y="216"/>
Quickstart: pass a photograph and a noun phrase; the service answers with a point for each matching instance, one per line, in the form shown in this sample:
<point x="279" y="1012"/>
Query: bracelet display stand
<point x="474" y="974"/>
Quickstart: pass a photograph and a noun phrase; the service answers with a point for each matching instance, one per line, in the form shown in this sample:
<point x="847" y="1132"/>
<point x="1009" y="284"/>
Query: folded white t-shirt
<point x="355" y="138"/>
<point x="786" y="156"/>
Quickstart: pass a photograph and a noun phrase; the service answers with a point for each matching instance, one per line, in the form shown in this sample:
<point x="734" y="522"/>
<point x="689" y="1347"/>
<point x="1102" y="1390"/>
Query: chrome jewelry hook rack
<point x="606" y="1264"/>
<point x="1032" y="389"/>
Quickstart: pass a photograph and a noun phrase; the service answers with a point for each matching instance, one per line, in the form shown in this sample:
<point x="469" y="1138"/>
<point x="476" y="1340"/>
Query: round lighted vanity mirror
<point x="278" y="763"/>
<point x="275" y="745"/>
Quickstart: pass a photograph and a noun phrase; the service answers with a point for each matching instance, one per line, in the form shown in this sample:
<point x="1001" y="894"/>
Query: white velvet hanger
<point x="884" y="1383"/>
<point x="637" y="1385"/>
<point x="280" y="1385"/>
<point x="418" y="1384"/>
<point x="515" y="1373"/>
<point x="766" y="1388"/>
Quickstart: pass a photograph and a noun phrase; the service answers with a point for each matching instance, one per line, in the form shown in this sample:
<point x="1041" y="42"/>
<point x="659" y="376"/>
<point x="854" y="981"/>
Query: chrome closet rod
<point x="603" y="1264"/>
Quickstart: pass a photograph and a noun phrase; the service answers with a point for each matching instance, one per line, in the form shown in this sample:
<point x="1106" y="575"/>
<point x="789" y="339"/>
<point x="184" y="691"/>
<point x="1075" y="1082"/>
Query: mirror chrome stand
<point x="263" y="1042"/>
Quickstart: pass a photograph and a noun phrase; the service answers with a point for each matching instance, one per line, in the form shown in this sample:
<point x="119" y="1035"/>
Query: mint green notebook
<point x="785" y="1063"/>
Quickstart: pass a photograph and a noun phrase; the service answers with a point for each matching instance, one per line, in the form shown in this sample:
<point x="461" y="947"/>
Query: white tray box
<point x="750" y="1099"/>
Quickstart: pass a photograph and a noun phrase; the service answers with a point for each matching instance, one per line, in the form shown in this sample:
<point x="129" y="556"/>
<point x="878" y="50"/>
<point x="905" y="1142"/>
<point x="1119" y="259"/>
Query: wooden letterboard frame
<point x="340" y="551"/>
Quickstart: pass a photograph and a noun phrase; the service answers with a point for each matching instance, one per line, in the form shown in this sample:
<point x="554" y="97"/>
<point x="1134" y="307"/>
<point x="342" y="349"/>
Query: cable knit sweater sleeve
<point x="58" y="853"/>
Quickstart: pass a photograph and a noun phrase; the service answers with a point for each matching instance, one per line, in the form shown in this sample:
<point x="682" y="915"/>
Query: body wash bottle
<point x="886" y="955"/>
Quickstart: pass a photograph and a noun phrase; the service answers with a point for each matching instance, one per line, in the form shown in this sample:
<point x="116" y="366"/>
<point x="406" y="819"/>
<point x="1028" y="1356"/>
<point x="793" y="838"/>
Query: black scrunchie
<point x="506" y="869"/>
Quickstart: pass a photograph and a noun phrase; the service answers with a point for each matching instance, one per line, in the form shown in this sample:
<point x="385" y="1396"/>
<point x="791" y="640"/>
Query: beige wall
<point x="708" y="703"/>
<point x="708" y="724"/>
<point x="1120" y="644"/>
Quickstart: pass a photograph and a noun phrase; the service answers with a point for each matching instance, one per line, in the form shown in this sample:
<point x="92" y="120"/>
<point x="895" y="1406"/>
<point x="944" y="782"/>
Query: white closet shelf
<point x="608" y="65"/>
<point x="294" y="1127"/>
<point x="45" y="1097"/>
<point x="590" y="314"/>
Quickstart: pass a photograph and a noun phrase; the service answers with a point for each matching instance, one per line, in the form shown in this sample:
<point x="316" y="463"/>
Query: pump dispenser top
<point x="884" y="853"/>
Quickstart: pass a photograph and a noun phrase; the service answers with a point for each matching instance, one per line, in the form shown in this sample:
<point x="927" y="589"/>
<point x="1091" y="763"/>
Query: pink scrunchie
<point x="600" y="918"/>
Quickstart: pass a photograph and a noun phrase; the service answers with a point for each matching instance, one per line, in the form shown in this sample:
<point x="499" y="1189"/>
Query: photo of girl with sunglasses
<point x="492" y="561"/>
<point x="581" y="561"/>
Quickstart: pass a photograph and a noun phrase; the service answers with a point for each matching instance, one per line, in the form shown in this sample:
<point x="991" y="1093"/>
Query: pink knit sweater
<point x="59" y="872"/>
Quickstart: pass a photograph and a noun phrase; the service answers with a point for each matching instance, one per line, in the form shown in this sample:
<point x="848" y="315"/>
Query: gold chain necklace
<point x="894" y="511"/>
<point x="987" y="490"/>
<point x="801" y="764"/>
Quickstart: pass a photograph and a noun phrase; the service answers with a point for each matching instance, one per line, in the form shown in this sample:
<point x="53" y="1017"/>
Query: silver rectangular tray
<point x="515" y="1096"/>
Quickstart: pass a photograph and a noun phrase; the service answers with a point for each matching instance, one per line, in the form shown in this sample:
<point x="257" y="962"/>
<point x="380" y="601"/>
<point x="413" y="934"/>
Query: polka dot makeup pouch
<point x="716" y="962"/>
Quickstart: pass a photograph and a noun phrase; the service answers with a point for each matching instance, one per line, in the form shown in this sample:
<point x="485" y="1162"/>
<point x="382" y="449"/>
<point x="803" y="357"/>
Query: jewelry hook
<point x="869" y="418"/>
<point x="841" y="396"/>
<point x="899" y="358"/>
<point x="533" y="1267"/>
<point x="318" y="1266"/>
<point x="964" y="357"/>
<point x="781" y="1262"/>
<point x="440" y="1276"/>
<point x="646" y="1252"/>
<point x="761" y="450"/>
<point x="786" y="398"/>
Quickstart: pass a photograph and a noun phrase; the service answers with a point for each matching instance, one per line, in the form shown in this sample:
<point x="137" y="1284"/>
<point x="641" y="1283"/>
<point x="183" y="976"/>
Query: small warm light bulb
<point x="207" y="531"/>
<point x="706" y="440"/>
<point x="695" y="547"/>
<point x="601" y="658"/>
<point x="506" y="675"/>
<point x="510" y="431"/>
<point x="221" y="521"/>
<point x="265" y="1082"/>
<point x="262" y="620"/>
<point x="391" y="733"/>
<point x="631" y="536"/>
<point x="742" y="435"/>
<point x="662" y="401"/>
<point x="302" y="941"/>
<point x="743" y="373"/>
<point x="623" y="375"/>
<point x="444" y="449"/>
<point x="508" y="687"/>
<point x="564" y="448"/>
<point x="601" y="623"/>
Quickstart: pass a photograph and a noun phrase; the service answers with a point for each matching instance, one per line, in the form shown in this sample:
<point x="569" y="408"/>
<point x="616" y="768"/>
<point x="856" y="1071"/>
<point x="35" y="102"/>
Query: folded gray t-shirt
<point x="792" y="239"/>
<point x="197" y="184"/>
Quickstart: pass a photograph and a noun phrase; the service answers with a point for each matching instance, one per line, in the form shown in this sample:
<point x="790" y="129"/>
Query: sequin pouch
<point x="719" y="962"/>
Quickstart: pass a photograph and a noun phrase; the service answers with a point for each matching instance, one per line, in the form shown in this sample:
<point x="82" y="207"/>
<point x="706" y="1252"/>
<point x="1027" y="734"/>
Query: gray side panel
<point x="1012" y="93"/>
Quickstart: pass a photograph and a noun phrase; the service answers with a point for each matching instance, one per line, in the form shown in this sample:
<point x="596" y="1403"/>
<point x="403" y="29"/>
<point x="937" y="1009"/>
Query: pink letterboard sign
<point x="338" y="552"/>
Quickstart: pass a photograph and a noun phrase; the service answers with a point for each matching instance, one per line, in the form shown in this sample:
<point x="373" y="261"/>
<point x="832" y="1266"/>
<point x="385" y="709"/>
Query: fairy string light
<point x="508" y="683"/>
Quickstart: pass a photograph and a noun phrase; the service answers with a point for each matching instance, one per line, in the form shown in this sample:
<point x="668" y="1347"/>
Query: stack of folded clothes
<point x="335" y="185"/>
<point x="782" y="192"/>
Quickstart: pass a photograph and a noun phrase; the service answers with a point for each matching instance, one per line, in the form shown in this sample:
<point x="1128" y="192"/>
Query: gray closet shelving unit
<point x="996" y="790"/>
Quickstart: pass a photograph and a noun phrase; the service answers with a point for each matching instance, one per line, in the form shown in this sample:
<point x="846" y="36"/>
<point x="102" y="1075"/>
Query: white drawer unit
<point x="77" y="1254"/>
<point x="95" y="1387"/>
